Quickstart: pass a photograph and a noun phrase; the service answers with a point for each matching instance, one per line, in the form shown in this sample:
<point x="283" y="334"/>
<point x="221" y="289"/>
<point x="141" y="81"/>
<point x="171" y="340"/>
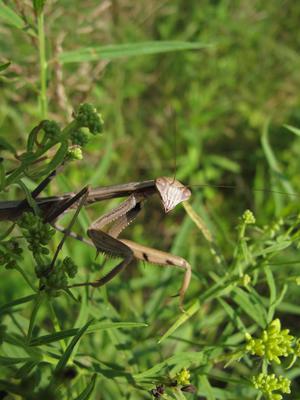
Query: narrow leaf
<point x="54" y="337"/>
<point x="9" y="16"/>
<point x="38" y="302"/>
<point x="4" y="66"/>
<point x="273" y="292"/>
<point x="7" y="307"/>
<point x="67" y="354"/>
<point x="115" y="51"/>
<point x="29" y="198"/>
<point x="86" y="393"/>
<point x="250" y="306"/>
<point x="181" y="320"/>
<point x="57" y="159"/>
<point x="296" y="131"/>
<point x="198" y="221"/>
<point x="5" y="145"/>
<point x="7" y="361"/>
<point x="273" y="163"/>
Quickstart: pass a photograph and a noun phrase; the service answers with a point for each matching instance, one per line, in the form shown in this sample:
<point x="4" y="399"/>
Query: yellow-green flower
<point x="183" y="377"/>
<point x="248" y="217"/>
<point x="268" y="384"/>
<point x="272" y="344"/>
<point x="245" y="280"/>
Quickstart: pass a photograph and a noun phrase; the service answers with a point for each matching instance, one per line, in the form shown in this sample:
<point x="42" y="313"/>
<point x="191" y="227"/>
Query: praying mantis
<point x="170" y="191"/>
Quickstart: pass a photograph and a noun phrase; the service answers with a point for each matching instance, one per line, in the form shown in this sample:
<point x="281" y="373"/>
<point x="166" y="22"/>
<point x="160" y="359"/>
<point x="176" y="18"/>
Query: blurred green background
<point x="200" y="112"/>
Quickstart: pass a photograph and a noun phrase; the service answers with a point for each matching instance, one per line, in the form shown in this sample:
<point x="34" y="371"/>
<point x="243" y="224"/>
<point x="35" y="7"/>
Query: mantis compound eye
<point x="171" y="192"/>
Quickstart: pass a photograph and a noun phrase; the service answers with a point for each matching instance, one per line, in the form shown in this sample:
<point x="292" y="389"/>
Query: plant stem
<point x="26" y="278"/>
<point x="43" y="66"/>
<point x="57" y="326"/>
<point x="37" y="304"/>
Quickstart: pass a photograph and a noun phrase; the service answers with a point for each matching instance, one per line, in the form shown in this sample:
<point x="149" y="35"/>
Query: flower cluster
<point x="74" y="153"/>
<point x="36" y="232"/>
<point x="10" y="253"/>
<point x="79" y="138"/>
<point x="245" y="280"/>
<point x="273" y="229"/>
<point x="53" y="280"/>
<point x="87" y="117"/>
<point x="183" y="377"/>
<point x="52" y="130"/>
<point x="86" y="120"/>
<point x="268" y="384"/>
<point x="272" y="344"/>
<point x="248" y="217"/>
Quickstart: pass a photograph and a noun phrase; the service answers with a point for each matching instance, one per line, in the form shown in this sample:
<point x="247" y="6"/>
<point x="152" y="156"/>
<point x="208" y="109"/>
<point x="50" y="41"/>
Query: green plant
<point x="128" y="340"/>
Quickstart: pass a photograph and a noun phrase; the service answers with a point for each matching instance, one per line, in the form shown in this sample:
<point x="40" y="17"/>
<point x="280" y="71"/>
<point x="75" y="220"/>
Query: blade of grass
<point x="272" y="161"/>
<point x="115" y="51"/>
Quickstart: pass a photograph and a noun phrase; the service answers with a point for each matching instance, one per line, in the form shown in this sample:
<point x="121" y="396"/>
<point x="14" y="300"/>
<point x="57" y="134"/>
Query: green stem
<point x="57" y="326"/>
<point x="26" y="278"/>
<point x="39" y="153"/>
<point x="37" y="304"/>
<point x="43" y="66"/>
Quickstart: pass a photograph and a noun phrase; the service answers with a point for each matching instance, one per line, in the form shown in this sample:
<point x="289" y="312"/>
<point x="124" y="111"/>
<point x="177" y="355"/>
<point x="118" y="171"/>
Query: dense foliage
<point x="207" y="90"/>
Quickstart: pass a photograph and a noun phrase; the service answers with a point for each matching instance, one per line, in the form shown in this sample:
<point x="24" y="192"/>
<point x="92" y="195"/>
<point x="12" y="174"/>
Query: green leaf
<point x="232" y="314"/>
<point x="86" y="393"/>
<point x="57" y="160"/>
<point x="179" y="360"/>
<point x="278" y="300"/>
<point x="296" y="131"/>
<point x="38" y="302"/>
<point x="273" y="292"/>
<point x="250" y="305"/>
<point x="114" y="51"/>
<point x="9" y="16"/>
<point x="7" y="307"/>
<point x="29" y="198"/>
<point x="26" y="369"/>
<point x="67" y="354"/>
<point x="273" y="163"/>
<point x="206" y="386"/>
<point x="7" y="361"/>
<point x="2" y="174"/>
<point x="6" y="146"/>
<point x="38" y="5"/>
<point x="98" y="326"/>
<point x="288" y="308"/>
<point x="181" y="320"/>
<point x="12" y="388"/>
<point x="224" y="163"/>
<point x="4" y="66"/>
<point x="277" y="247"/>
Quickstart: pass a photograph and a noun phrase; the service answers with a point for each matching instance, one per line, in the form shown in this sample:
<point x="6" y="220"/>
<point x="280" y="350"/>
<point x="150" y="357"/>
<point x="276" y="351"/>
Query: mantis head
<point x="171" y="192"/>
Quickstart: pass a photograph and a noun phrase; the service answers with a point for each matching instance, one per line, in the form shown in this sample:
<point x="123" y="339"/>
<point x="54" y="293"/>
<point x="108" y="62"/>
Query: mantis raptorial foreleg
<point x="120" y="217"/>
<point x="158" y="257"/>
